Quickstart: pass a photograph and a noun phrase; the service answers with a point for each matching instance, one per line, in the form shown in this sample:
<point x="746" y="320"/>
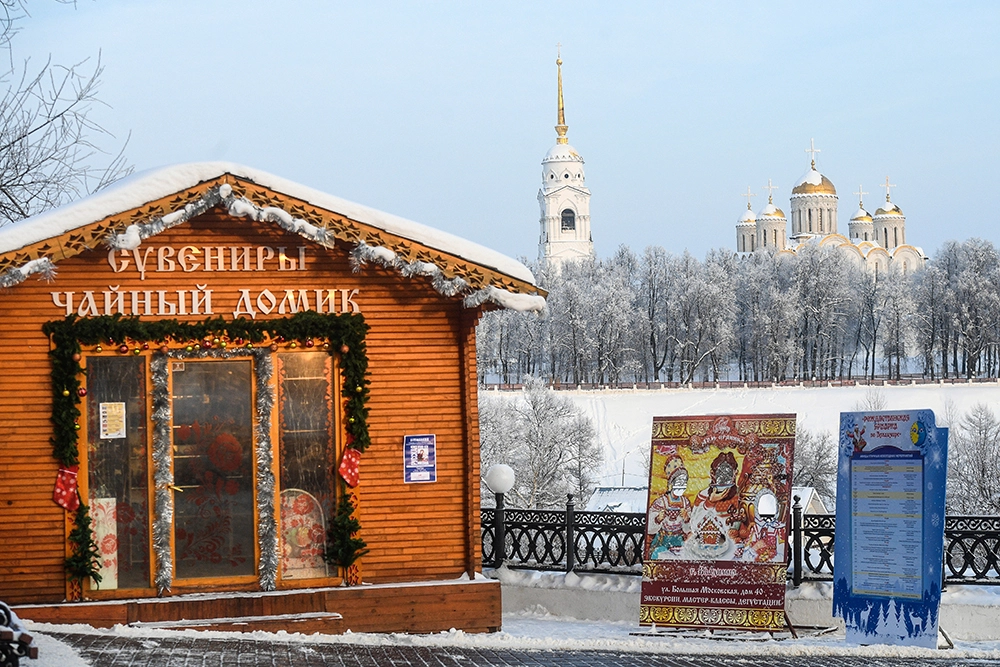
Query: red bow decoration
<point x="65" y="494"/>
<point x="349" y="467"/>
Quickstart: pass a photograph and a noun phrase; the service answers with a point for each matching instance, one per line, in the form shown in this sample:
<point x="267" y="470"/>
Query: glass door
<point x="212" y="430"/>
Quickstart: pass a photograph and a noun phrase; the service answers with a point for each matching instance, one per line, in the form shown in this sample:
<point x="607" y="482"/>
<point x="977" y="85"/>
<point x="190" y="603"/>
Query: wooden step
<point x="307" y="623"/>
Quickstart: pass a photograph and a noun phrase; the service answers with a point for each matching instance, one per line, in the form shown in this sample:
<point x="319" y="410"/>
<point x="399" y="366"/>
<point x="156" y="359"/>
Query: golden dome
<point x="888" y="209"/>
<point x="771" y="211"/>
<point x="861" y="214"/>
<point x="814" y="183"/>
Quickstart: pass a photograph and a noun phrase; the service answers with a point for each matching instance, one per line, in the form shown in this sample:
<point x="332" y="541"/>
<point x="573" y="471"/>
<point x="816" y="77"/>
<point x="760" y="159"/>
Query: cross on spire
<point x="748" y="195"/>
<point x="812" y="150"/>
<point x="770" y="190"/>
<point x="861" y="196"/>
<point x="887" y="186"/>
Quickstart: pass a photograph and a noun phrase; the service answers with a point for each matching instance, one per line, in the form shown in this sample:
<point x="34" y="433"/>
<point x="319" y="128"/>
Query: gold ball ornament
<point x="222" y="344"/>
<point x="65" y="392"/>
<point x="76" y="427"/>
<point x="293" y="345"/>
<point x="189" y="348"/>
<point x="98" y="349"/>
<point x="137" y="351"/>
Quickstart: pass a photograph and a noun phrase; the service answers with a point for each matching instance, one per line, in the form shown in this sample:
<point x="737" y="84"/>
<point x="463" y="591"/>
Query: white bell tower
<point x="564" y="198"/>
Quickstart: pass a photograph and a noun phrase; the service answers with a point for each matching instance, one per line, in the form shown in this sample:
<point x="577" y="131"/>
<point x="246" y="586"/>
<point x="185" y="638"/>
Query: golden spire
<point x="562" y="126"/>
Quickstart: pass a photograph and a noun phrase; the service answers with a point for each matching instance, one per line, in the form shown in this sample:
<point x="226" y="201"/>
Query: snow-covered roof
<point x="810" y="500"/>
<point x="747" y="217"/>
<point x="888" y="208"/>
<point x="147" y="186"/>
<point x="772" y="211"/>
<point x="813" y="182"/>
<point x="625" y="499"/>
<point x="861" y="214"/>
<point x="562" y="153"/>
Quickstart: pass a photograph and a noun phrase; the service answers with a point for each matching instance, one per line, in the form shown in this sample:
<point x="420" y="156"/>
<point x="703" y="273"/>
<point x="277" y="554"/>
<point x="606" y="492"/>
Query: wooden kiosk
<point x="236" y="375"/>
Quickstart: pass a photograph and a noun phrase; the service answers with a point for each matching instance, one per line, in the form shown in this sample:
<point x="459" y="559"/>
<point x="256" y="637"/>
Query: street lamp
<point x="500" y="479"/>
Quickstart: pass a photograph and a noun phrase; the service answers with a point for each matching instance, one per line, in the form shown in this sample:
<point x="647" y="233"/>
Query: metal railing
<point x="612" y="542"/>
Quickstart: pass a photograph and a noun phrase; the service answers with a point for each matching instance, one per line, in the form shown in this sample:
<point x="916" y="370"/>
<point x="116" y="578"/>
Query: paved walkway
<point x="117" y="651"/>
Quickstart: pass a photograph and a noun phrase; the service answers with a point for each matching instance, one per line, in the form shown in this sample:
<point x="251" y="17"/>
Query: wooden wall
<point x="423" y="380"/>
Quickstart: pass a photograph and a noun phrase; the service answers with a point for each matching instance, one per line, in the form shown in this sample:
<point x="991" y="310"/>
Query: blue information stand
<point x="890" y="526"/>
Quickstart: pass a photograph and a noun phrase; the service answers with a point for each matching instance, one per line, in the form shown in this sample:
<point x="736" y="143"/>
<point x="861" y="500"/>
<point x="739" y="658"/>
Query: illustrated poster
<point x="717" y="522"/>
<point x="889" y="545"/>
<point x="419" y="458"/>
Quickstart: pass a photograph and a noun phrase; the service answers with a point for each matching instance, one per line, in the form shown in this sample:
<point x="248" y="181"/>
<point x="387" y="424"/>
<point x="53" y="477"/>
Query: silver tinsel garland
<point x="163" y="476"/>
<point x="164" y="479"/>
<point x="14" y="276"/>
<point x="241" y="207"/>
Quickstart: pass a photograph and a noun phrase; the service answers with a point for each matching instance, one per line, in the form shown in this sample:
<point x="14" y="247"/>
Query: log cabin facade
<point x="218" y="360"/>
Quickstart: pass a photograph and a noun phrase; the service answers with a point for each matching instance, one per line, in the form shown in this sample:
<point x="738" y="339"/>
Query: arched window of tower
<point x="568" y="220"/>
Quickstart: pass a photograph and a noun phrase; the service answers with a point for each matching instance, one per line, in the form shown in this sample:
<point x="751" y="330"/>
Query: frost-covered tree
<point x="49" y="152"/>
<point x="974" y="463"/>
<point x="550" y="444"/>
<point x="814" y="464"/>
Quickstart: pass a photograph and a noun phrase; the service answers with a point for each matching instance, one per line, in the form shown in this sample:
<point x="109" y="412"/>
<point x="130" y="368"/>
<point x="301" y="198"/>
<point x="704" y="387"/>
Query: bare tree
<point x="550" y="444"/>
<point x="815" y="464"/>
<point x="49" y="152"/>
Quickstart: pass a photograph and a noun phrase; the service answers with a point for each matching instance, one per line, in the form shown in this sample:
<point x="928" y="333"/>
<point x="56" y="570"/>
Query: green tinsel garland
<point x="345" y="334"/>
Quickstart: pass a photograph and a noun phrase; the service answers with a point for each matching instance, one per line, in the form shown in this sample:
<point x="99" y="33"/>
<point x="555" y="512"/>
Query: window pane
<point x="306" y="458"/>
<point x="117" y="469"/>
<point x="213" y="468"/>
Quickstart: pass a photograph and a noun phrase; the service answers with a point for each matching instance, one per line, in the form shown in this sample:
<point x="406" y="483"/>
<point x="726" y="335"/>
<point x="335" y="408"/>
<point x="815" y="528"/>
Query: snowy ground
<point x="538" y="629"/>
<point x="623" y="418"/>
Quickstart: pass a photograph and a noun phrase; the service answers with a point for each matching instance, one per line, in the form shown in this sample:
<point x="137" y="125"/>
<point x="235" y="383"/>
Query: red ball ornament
<point x="280" y="339"/>
<point x="164" y="349"/>
<point x="344" y="349"/>
<point x="82" y="391"/>
<point x="206" y="343"/>
<point x="145" y="346"/>
<point x="76" y="356"/>
<point x="123" y="349"/>
<point x="309" y="342"/>
<point x="274" y="347"/>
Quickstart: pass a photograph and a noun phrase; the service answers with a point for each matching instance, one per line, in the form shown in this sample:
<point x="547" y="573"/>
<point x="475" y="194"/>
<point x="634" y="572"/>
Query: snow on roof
<point x="625" y="499"/>
<point x="747" y="216"/>
<point x="771" y="210"/>
<point x="562" y="152"/>
<point x="147" y="186"/>
<point x="812" y="177"/>
<point x="860" y="213"/>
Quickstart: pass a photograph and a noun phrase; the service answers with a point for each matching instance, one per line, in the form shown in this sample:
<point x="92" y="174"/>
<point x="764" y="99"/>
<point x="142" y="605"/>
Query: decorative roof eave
<point x="241" y="197"/>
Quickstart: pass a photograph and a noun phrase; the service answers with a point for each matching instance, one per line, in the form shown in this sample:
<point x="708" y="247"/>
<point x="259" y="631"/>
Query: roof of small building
<point x="626" y="499"/>
<point x="562" y="153"/>
<point x="125" y="206"/>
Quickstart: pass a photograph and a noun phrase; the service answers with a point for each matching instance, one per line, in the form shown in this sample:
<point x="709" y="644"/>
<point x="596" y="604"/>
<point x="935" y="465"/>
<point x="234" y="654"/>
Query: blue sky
<point x="442" y="111"/>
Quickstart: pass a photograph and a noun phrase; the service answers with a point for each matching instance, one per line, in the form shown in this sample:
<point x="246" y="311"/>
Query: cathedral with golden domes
<point x="874" y="241"/>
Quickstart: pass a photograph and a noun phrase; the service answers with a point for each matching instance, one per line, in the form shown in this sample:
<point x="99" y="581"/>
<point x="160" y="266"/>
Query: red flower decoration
<point x="225" y="453"/>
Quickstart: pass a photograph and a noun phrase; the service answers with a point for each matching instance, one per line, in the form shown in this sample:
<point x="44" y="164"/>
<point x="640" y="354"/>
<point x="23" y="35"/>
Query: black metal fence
<point x="612" y="542"/>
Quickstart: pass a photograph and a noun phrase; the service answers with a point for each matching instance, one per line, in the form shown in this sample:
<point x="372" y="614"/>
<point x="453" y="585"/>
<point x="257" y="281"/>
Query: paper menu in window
<point x="112" y="421"/>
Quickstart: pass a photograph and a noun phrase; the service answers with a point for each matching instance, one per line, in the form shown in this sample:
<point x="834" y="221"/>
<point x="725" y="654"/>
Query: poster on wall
<point x="716" y="531"/>
<point x="889" y="545"/>
<point x="112" y="420"/>
<point x="419" y="458"/>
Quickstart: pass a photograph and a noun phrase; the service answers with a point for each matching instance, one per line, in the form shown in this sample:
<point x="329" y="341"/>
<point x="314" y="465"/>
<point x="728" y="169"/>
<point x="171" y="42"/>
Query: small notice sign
<point x="112" y="421"/>
<point x="419" y="458"/>
<point x="890" y="526"/>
